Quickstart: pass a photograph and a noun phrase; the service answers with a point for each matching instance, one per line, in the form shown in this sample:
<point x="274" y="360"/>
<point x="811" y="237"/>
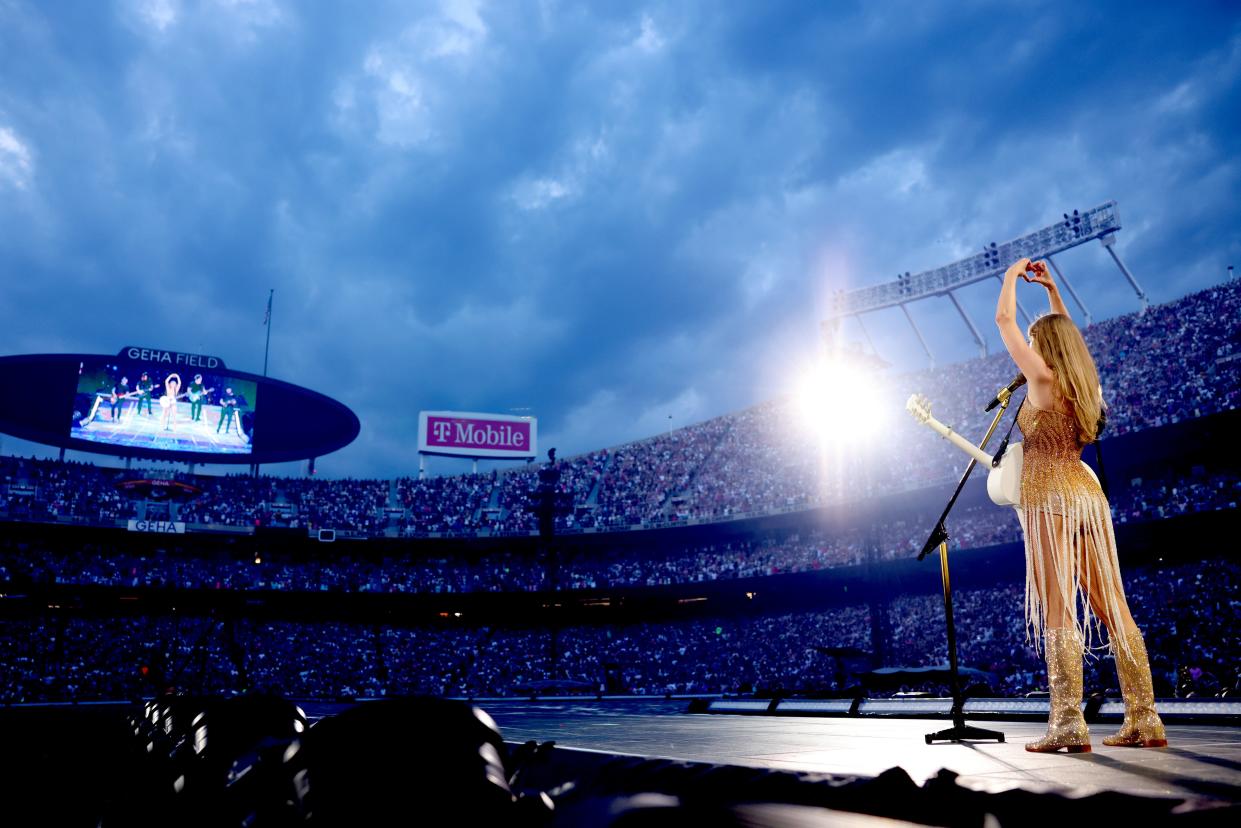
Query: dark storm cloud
<point x="622" y="219"/>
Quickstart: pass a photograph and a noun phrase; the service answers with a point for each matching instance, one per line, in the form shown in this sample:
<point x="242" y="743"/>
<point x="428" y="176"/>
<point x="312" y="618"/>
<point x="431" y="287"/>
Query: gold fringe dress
<point x="1062" y="502"/>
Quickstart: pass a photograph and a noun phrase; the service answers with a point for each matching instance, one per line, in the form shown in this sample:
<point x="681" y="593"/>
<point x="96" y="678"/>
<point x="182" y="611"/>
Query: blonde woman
<point x="168" y="402"/>
<point x="1072" y="575"/>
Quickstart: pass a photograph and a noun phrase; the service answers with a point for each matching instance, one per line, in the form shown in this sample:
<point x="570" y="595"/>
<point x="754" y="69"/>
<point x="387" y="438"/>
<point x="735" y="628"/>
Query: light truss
<point x="1075" y="229"/>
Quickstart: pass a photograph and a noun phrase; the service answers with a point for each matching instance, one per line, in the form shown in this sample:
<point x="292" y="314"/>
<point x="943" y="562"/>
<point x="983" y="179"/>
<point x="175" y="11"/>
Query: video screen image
<point x="159" y="407"/>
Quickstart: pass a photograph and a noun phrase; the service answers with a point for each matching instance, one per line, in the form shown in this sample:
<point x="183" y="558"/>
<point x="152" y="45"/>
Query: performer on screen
<point x="143" y="388"/>
<point x="117" y="397"/>
<point x="168" y="402"/>
<point x="1072" y="574"/>
<point x="196" y="394"/>
<point x="228" y="408"/>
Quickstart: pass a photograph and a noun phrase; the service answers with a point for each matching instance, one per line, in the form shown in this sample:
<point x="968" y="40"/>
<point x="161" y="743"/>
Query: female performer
<point x="1070" y="547"/>
<point x="168" y="402"/>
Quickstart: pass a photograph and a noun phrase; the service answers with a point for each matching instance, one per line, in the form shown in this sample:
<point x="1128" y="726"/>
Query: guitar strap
<point x="999" y="453"/>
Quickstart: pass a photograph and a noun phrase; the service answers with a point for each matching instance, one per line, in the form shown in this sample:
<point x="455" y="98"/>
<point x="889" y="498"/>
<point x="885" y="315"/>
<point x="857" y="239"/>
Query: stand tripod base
<point x="961" y="732"/>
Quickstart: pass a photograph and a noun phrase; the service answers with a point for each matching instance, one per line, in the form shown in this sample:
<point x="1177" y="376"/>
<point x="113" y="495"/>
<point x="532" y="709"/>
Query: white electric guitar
<point x="1003" y="480"/>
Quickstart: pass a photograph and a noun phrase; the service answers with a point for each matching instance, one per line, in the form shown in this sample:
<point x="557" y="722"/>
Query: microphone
<point x="1006" y="391"/>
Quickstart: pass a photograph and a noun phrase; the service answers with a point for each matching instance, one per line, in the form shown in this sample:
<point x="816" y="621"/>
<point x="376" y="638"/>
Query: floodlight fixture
<point x="1076" y="228"/>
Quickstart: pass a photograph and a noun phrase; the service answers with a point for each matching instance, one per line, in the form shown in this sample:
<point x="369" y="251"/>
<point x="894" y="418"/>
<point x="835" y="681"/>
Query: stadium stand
<point x="754" y="502"/>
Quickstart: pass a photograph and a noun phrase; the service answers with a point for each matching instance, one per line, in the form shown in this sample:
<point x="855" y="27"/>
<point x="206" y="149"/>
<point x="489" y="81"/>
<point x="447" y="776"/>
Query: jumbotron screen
<point x="163" y="408"/>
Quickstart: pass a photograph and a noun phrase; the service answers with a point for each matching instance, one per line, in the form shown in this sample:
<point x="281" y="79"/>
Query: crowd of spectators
<point x="355" y="505"/>
<point x="578" y="485"/>
<point x="44" y="490"/>
<point x="1190" y="613"/>
<point x="1176" y="361"/>
<point x="50" y="490"/>
<point x="444" y="505"/>
<point x="502" y="569"/>
<point x="642" y="476"/>
<point x="233" y="500"/>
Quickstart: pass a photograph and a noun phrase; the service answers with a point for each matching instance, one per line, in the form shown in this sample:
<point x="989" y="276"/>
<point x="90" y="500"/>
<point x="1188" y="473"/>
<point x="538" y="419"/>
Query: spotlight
<point x="838" y="401"/>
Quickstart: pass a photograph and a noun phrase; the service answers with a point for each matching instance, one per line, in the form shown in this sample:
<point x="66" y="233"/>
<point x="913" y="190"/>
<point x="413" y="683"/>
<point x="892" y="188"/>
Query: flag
<point x="267" y="316"/>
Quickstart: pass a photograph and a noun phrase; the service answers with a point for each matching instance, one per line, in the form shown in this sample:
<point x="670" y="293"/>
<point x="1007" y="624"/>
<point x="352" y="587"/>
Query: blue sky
<point x="619" y="217"/>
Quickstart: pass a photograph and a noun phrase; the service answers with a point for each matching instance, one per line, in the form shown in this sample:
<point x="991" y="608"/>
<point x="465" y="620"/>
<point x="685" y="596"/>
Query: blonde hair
<point x="1058" y="341"/>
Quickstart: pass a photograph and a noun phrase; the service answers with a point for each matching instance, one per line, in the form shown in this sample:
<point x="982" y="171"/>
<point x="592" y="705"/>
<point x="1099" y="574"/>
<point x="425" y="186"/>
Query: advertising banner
<point x="168" y="526"/>
<point x="470" y="434"/>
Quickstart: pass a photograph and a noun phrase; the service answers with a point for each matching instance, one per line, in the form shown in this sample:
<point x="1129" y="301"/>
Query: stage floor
<point x="148" y="431"/>
<point x="1201" y="763"/>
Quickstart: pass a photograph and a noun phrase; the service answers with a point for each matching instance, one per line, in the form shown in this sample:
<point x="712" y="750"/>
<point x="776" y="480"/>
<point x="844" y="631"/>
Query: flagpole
<point x="254" y="467"/>
<point x="267" y="323"/>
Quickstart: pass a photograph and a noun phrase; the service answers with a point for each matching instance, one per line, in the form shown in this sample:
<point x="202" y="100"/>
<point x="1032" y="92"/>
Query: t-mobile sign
<point x="466" y="434"/>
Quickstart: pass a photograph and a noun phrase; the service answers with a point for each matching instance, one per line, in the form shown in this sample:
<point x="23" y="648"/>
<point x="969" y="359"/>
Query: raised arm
<point x="1027" y="359"/>
<point x="1042" y="276"/>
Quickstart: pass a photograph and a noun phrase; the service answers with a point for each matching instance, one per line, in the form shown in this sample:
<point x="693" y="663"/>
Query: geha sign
<point x="158" y="526"/>
<point x="468" y="434"/>
<point x="171" y="358"/>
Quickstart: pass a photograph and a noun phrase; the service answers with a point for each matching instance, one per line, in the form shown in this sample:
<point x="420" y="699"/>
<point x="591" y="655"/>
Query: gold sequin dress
<point x="1068" y="526"/>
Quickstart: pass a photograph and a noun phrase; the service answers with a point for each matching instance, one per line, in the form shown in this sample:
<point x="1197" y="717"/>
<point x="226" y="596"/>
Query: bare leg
<point x="1103" y="604"/>
<point x="1057" y="607"/>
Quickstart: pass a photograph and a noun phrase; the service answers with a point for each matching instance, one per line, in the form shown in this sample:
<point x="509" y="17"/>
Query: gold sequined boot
<point x="1142" y="726"/>
<point x="1066" y="726"/>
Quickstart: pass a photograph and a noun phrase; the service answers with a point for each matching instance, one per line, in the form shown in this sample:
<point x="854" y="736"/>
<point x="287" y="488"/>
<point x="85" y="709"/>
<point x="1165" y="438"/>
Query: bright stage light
<point x="839" y="401"/>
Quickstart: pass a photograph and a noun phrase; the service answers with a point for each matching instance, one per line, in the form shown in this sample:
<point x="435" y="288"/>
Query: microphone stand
<point x="959" y="731"/>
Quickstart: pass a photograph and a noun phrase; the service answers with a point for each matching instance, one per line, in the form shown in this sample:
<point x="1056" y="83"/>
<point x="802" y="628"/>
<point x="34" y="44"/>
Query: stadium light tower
<point x="1077" y="228"/>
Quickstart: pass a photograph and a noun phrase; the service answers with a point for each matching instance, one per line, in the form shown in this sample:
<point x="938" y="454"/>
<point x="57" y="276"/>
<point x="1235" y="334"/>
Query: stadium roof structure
<point x="1075" y="229"/>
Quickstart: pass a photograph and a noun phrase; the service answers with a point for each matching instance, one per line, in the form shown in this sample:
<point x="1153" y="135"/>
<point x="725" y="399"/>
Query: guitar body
<point x="1004" y="480"/>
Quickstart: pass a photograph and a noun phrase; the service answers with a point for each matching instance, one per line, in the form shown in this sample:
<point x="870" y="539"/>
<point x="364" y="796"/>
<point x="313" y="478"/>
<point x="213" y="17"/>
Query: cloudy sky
<point x="619" y="217"/>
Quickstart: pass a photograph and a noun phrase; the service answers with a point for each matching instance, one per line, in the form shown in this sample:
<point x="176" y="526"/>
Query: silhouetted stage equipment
<point x="262" y="762"/>
<point x="417" y="756"/>
<point x="253" y="761"/>
<point x="184" y="754"/>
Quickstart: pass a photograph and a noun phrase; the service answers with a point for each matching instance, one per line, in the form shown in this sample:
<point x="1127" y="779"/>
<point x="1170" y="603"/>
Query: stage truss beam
<point x="969" y="323"/>
<point x="921" y="338"/>
<point x="1101" y="222"/>
<point x="1109" y="243"/>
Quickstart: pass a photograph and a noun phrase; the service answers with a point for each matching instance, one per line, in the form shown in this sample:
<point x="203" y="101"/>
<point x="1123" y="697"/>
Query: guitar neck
<point x="959" y="441"/>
